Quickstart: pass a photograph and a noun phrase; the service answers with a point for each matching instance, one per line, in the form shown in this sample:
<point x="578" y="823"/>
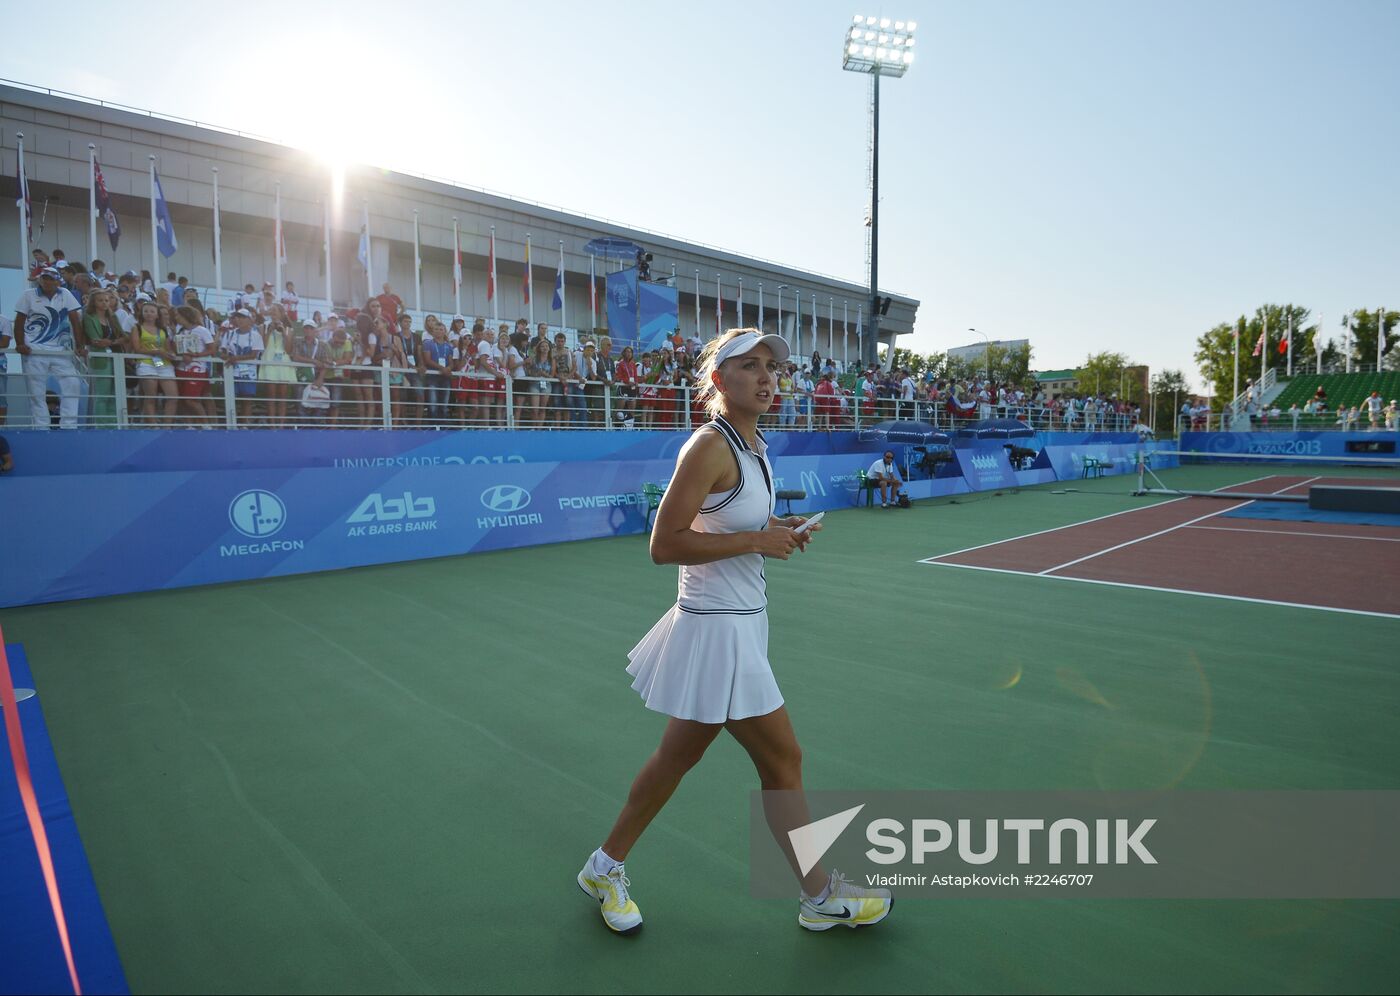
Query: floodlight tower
<point x="877" y="47"/>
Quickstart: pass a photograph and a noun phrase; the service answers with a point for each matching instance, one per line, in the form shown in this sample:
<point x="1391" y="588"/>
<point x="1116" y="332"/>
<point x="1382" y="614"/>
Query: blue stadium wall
<point x="102" y="513"/>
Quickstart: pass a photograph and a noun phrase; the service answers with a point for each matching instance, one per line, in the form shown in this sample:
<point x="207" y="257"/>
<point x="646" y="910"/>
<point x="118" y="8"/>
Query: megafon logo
<point x="505" y="498"/>
<point x="377" y="508"/>
<point x="257" y="514"/>
<point x="1114" y="841"/>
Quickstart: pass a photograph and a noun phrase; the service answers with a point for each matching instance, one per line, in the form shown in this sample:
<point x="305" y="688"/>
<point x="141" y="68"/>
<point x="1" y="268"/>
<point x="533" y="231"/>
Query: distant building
<point x="1056" y="383"/>
<point x="978" y="350"/>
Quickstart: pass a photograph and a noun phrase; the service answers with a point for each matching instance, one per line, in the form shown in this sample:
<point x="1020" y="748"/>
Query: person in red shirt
<point x="390" y="304"/>
<point x="827" y="405"/>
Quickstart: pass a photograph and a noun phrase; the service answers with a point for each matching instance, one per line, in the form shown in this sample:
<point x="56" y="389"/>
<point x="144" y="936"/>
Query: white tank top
<point x="734" y="586"/>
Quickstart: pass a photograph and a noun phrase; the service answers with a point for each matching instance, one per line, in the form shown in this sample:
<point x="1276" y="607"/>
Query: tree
<point x="1101" y="373"/>
<point x="1215" y="349"/>
<point x="1363" y="338"/>
<point x="1169" y="387"/>
<point x="997" y="362"/>
<point x="919" y="363"/>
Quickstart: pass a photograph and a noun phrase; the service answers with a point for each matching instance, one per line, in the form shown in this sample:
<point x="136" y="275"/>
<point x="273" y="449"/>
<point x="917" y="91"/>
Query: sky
<point x="1086" y="175"/>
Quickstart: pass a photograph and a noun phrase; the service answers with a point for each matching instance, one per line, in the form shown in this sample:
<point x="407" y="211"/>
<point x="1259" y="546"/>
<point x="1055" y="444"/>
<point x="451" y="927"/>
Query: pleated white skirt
<point x="706" y="668"/>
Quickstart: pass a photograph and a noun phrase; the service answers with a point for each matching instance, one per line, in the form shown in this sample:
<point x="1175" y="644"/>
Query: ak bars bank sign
<point x="1206" y="845"/>
<point x="259" y="515"/>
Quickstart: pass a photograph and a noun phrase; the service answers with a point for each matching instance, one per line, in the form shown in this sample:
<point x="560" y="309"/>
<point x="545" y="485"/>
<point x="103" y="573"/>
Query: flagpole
<point x="1290" y="342"/>
<point x="495" y="305"/>
<point x="417" y="267"/>
<point x="1264" y="356"/>
<point x="719" y="308"/>
<point x="92" y="204"/>
<point x="831" y="326"/>
<point x="760" y="305"/>
<point x="739" y="305"/>
<point x="846" y="335"/>
<point x="1317" y="342"/>
<point x="563" y="299"/>
<point x="1380" y="337"/>
<point x="277" y="239"/>
<point x="23" y="209"/>
<point x="326" y="248"/>
<point x="593" y="287"/>
<point x="797" y="323"/>
<point x="155" y="242"/>
<point x="529" y="297"/>
<point x="219" y="252"/>
<point x="1346" y="339"/>
<point x="456" y="269"/>
<point x="1238" y="332"/>
<point x="369" y="255"/>
<point x="860" y="333"/>
<point x="698" y="333"/>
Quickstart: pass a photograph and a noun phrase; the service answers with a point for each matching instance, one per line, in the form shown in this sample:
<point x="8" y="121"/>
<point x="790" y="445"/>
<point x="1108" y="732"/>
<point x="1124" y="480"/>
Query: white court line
<point x="1172" y="529"/>
<point x="1056" y="529"/>
<point x="1084" y="522"/>
<point x="1131" y="542"/>
<point x="1174" y="591"/>
<point x="1291" y="532"/>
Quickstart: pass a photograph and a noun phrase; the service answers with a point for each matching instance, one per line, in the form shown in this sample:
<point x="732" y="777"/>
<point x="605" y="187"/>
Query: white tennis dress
<point x="707" y="659"/>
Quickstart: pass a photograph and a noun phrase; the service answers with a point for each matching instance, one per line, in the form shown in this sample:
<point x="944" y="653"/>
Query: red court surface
<point x="1183" y="545"/>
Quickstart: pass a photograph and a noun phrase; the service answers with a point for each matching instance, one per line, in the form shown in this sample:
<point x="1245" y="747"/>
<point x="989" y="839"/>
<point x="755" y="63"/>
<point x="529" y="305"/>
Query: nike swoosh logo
<point x="845" y="914"/>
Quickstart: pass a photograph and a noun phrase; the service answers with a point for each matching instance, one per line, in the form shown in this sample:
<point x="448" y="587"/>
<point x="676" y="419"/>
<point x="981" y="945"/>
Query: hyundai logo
<point x="257" y="513"/>
<point x="505" y="498"/>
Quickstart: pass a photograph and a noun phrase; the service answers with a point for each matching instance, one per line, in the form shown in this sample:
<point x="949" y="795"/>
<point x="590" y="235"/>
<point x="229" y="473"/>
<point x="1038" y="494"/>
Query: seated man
<point x="886" y="475"/>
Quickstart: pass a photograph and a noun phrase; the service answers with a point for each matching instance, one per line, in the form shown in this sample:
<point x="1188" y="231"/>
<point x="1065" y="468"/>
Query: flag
<point x="491" y="273"/>
<point x="559" y="284"/>
<point x="363" y="254"/>
<point x="281" y="242"/>
<point x="1259" y="346"/>
<point x="525" y="281"/>
<point x="719" y="310"/>
<point x="24" y="202"/>
<point x="456" y="258"/>
<point x="1318" y="344"/>
<point x="104" y="207"/>
<point x="165" y="228"/>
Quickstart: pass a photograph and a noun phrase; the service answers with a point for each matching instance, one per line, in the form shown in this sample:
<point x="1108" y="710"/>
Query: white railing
<point x="121" y="390"/>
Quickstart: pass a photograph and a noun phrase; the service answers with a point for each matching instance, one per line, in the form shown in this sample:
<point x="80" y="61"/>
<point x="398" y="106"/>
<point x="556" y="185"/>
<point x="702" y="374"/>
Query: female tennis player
<point x="705" y="664"/>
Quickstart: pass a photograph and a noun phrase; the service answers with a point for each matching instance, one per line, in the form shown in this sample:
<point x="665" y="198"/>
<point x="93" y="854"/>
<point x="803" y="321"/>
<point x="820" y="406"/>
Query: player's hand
<point x="23" y="349"/>
<point x="778" y="542"/>
<point x="794" y="521"/>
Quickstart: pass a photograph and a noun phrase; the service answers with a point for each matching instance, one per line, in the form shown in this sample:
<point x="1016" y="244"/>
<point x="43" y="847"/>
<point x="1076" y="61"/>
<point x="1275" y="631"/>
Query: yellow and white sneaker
<point x="846" y="904"/>
<point x="619" y="912"/>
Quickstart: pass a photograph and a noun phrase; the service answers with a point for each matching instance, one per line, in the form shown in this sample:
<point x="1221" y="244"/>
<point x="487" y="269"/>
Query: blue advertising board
<point x="190" y="508"/>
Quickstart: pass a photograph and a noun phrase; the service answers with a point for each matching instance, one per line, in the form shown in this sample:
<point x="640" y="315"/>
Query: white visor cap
<point x="749" y="341"/>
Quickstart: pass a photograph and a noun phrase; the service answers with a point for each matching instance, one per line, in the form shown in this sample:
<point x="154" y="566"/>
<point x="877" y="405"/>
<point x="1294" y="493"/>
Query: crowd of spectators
<point x="346" y="369"/>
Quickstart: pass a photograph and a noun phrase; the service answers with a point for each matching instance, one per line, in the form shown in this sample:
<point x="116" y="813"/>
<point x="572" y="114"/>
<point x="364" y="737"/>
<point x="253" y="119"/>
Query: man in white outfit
<point x="45" y="319"/>
<point x="884" y="472"/>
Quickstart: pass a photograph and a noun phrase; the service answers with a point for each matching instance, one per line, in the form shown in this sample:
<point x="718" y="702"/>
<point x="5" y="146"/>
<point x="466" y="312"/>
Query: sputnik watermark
<point x="1126" y="844"/>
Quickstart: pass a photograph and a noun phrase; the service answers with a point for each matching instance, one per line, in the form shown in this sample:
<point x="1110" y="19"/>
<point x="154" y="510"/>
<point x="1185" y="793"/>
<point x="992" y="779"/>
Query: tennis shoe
<point x="620" y="913"/>
<point x="847" y="904"/>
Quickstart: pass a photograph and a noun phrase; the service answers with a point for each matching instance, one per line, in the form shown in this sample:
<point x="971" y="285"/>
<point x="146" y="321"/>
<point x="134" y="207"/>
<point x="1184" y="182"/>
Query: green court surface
<point x="386" y="779"/>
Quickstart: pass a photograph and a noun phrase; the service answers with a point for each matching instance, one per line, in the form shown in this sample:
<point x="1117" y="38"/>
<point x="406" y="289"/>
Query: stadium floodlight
<point x="876" y="46"/>
<point x="884" y="52"/>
